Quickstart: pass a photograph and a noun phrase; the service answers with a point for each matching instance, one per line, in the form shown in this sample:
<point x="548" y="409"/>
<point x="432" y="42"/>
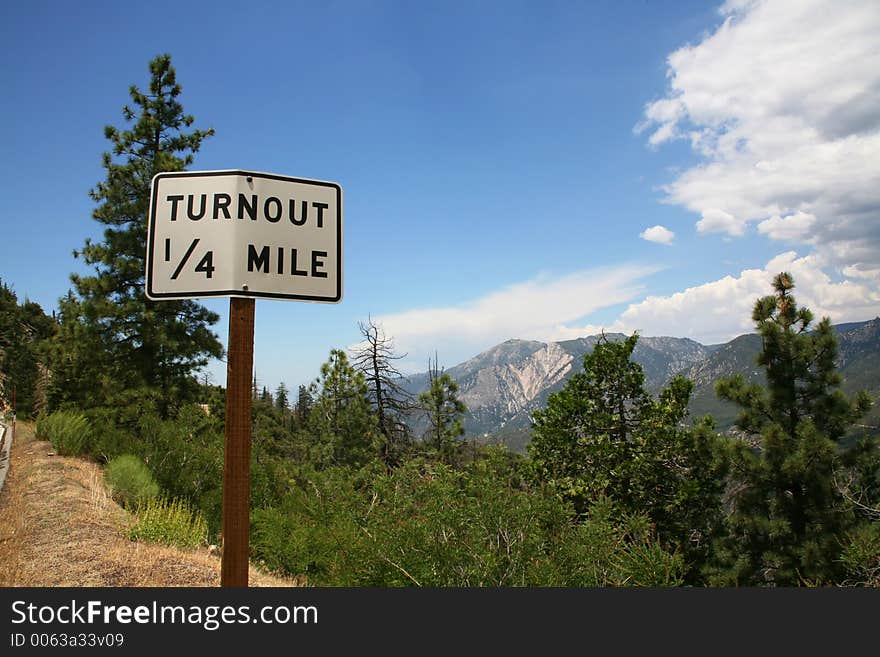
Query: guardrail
<point x="6" y="436"/>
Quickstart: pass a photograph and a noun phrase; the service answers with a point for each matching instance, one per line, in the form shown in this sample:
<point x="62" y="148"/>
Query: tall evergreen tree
<point x="304" y="403"/>
<point x="24" y="333"/>
<point x="341" y="420"/>
<point x="444" y="412"/>
<point x="789" y="517"/>
<point x="282" y="401"/>
<point x="157" y="345"/>
<point x="604" y="435"/>
<point x="585" y="437"/>
<point x="81" y="366"/>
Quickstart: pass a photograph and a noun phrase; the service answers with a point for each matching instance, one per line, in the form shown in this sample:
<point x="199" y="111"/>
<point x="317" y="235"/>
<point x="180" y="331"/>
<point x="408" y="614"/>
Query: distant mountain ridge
<point x="503" y="385"/>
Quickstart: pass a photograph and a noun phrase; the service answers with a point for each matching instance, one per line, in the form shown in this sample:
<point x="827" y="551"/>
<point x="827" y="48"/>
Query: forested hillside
<point x="24" y="333"/>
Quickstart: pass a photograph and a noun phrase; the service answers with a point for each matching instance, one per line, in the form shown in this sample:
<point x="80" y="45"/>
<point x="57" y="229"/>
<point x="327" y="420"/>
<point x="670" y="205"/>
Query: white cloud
<point x="856" y="272"/>
<point x="664" y="133"/>
<point x="658" y="234"/>
<point x="537" y="309"/>
<point x="720" y="310"/>
<point x="795" y="227"/>
<point x="547" y="308"/>
<point x="782" y="102"/>
<point x="719" y="221"/>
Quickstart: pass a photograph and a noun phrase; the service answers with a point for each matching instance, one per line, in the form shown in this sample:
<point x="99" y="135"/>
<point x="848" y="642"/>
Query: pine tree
<point x="341" y="420"/>
<point x="25" y="331"/>
<point x="149" y="344"/>
<point x="78" y="361"/>
<point x="585" y="437"/>
<point x="603" y="435"/>
<point x="304" y="403"/>
<point x="789" y="516"/>
<point x="281" y="397"/>
<point x="444" y="412"/>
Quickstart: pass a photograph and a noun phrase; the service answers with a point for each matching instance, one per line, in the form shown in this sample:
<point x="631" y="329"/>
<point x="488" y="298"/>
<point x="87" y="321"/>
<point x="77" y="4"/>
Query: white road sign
<point x="244" y="234"/>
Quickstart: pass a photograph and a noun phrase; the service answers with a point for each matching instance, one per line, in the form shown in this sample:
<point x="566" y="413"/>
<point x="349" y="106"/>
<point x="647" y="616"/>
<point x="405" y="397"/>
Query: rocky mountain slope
<point x="503" y="385"/>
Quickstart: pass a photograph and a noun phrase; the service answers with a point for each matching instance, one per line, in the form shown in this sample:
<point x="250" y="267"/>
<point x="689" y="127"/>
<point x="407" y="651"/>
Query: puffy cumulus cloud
<point x="658" y="234"/>
<point x="720" y="310"/>
<point x="536" y="309"/>
<point x="794" y="227"/>
<point x="782" y="103"/>
<point x="719" y="221"/>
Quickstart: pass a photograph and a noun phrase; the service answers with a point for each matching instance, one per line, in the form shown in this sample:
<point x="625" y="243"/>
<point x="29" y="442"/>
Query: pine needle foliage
<point x="135" y="342"/>
<point x="788" y="512"/>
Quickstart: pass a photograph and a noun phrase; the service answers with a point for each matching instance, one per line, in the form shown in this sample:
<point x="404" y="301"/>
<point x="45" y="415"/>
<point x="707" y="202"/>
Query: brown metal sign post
<point x="237" y="455"/>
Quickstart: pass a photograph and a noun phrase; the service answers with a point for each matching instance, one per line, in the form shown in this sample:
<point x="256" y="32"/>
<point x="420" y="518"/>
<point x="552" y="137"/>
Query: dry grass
<point x="59" y="527"/>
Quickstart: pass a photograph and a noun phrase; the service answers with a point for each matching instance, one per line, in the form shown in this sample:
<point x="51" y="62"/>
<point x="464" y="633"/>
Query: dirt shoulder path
<point x="59" y="527"/>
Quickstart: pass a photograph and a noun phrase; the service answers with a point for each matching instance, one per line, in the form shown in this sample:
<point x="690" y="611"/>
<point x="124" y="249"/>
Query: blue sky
<point x="501" y="161"/>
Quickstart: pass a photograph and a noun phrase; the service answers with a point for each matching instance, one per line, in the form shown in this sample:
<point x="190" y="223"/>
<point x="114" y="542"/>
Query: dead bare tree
<point x="375" y="357"/>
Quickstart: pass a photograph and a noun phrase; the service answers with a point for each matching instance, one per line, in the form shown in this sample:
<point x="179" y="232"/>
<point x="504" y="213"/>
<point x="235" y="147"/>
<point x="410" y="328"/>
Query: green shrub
<point x="861" y="555"/>
<point x="170" y="522"/>
<point x="130" y="481"/>
<point x="315" y="534"/>
<point x="185" y="454"/>
<point x="610" y="549"/>
<point x="68" y="431"/>
<point x="430" y="525"/>
<point x="109" y="440"/>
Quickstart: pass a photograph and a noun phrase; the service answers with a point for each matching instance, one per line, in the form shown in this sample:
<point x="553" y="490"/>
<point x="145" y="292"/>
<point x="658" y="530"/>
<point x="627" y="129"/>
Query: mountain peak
<point x="504" y="384"/>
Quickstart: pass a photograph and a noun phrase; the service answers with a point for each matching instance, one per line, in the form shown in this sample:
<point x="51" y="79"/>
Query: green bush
<point x="861" y="555"/>
<point x="170" y="522"/>
<point x="608" y="548"/>
<point x="109" y="440"/>
<point x="68" y="431"/>
<point x="315" y="533"/>
<point x="185" y="454"/>
<point x="130" y="481"/>
<point x="426" y="524"/>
